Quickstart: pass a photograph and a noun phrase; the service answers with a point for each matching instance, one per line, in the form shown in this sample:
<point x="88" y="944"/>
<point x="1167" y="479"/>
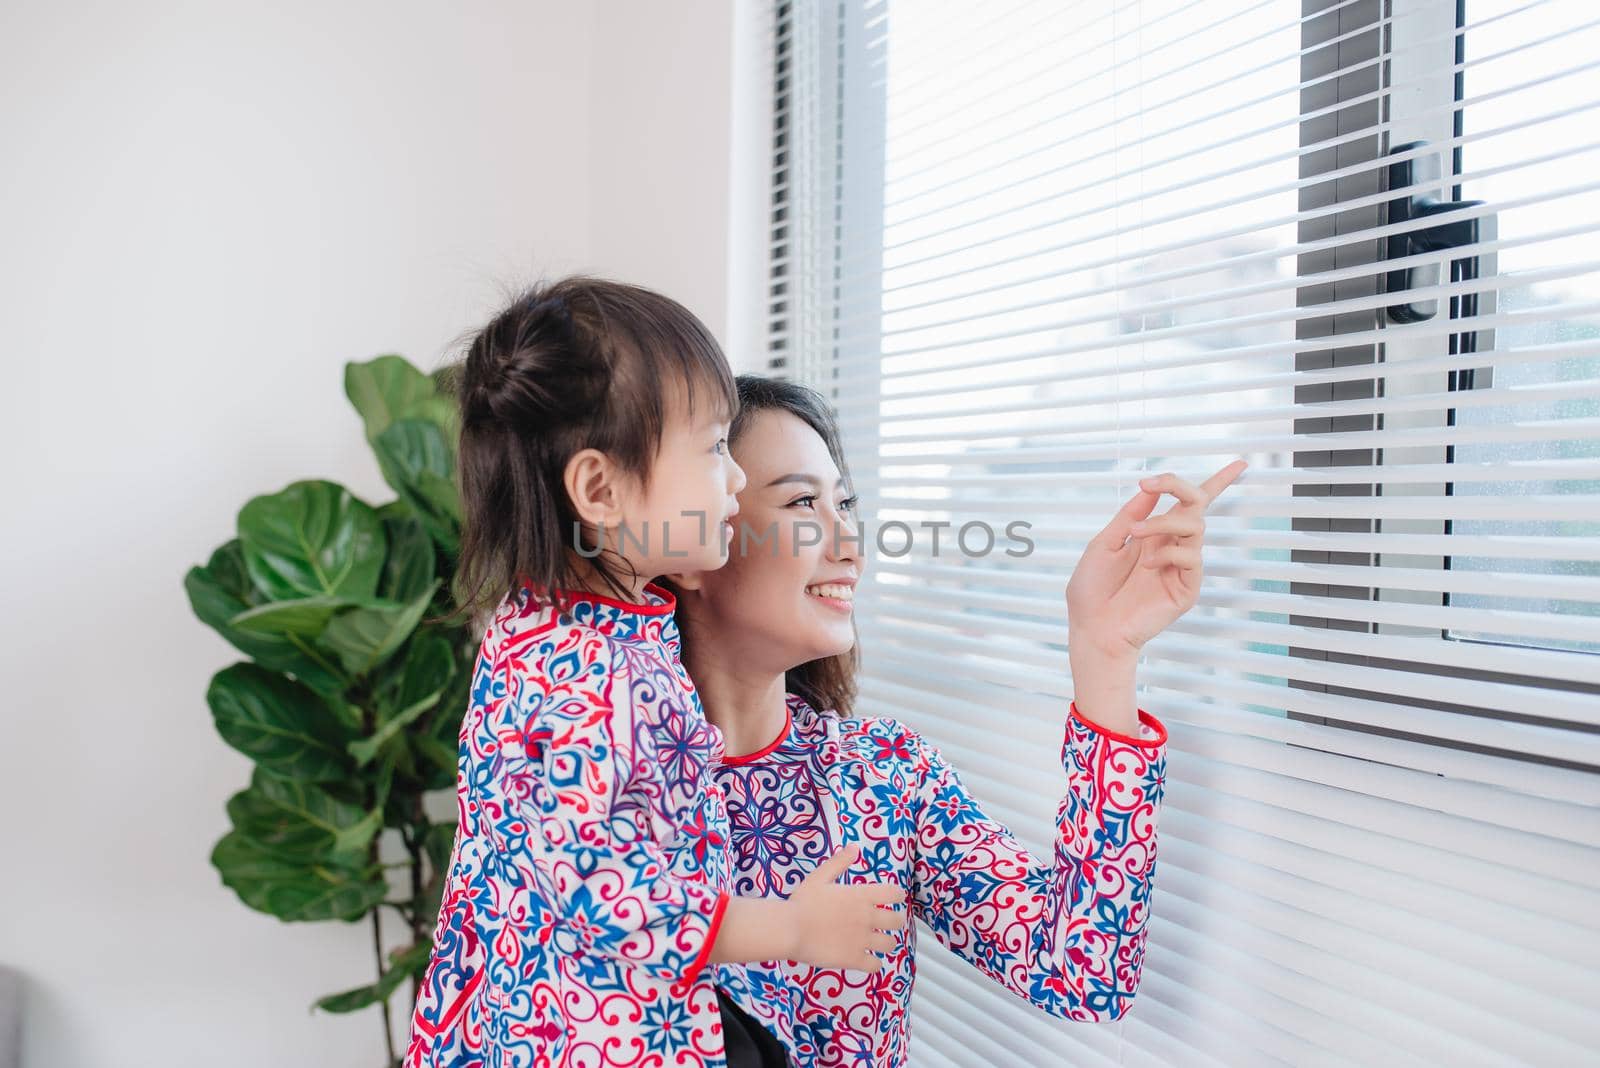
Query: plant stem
<point x="377" y="948"/>
<point x="375" y="855"/>
<point x="414" y="846"/>
<point x="416" y="873"/>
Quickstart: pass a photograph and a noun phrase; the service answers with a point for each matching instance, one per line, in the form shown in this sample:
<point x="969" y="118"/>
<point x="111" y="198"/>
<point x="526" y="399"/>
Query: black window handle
<point x="1414" y="175"/>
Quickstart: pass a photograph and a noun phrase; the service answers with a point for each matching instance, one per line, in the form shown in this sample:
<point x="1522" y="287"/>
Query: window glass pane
<point x="1510" y="122"/>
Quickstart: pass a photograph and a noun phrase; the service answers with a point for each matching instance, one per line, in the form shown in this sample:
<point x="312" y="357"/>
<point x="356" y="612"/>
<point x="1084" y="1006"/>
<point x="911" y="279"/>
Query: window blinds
<point x="1035" y="250"/>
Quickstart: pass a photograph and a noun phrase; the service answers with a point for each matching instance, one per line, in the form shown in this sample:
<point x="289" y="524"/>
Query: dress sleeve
<point x="1066" y="932"/>
<point x="599" y="815"/>
<point x="455" y="970"/>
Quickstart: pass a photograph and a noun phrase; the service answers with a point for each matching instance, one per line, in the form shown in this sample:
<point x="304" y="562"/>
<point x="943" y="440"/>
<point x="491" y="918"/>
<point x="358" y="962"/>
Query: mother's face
<point x="785" y="595"/>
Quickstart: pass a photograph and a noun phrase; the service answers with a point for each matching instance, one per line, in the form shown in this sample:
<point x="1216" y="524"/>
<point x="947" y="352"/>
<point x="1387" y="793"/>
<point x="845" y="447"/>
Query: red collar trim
<point x="788" y="721"/>
<point x="666" y="608"/>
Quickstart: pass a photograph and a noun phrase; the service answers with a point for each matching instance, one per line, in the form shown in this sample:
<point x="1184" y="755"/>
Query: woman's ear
<point x="594" y="486"/>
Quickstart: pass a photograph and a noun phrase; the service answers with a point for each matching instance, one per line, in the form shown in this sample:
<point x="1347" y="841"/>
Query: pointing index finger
<point x="1223" y="478"/>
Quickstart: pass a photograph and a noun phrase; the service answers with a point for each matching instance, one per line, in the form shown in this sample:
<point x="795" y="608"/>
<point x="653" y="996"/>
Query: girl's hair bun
<point x="526" y="369"/>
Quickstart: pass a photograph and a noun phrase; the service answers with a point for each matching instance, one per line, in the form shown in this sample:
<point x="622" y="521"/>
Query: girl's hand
<point x="1124" y="592"/>
<point x="844" y="926"/>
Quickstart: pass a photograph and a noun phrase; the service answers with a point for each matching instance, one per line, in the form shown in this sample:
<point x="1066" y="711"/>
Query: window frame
<point x="1414" y="20"/>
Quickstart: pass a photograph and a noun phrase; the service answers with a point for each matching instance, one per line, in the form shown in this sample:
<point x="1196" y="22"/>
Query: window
<point x="1034" y="251"/>
<point x="1490" y="493"/>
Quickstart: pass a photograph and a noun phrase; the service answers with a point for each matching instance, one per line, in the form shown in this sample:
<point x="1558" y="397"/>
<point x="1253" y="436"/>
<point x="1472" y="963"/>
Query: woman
<point x="769" y="640"/>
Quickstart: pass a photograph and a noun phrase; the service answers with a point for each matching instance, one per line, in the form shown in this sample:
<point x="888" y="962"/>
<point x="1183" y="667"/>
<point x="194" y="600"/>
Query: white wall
<point x="680" y="165"/>
<point x="205" y="210"/>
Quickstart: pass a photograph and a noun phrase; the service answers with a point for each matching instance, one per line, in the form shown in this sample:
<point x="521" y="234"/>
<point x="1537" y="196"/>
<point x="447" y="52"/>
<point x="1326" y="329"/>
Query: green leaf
<point x="300" y="821"/>
<point x="438" y="844"/>
<point x="312" y="539"/>
<point x="348" y="716"/>
<point x="417" y="459"/>
<point x="389" y="388"/>
<point x="304" y="618"/>
<point x="427" y="665"/>
<point x="221" y="591"/>
<point x="294" y="890"/>
<point x="404" y="964"/>
<point x="410" y="567"/>
<point x="364" y="637"/>
<point x="366" y="748"/>
<point x="383" y="783"/>
<point x="430" y="665"/>
<point x="444" y="379"/>
<point x="439" y="741"/>
<point x="442" y="756"/>
<point x="283" y="726"/>
<point x="395" y="509"/>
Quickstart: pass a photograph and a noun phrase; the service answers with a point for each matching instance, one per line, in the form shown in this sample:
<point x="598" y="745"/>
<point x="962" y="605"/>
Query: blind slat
<point x="1543" y="664"/>
<point x="1572" y="788"/>
<point x="1168" y="677"/>
<point x="1528" y="624"/>
<point x="1142" y="447"/>
<point x="1137" y="361"/>
<point x="1410" y="402"/>
<point x="1553" y="547"/>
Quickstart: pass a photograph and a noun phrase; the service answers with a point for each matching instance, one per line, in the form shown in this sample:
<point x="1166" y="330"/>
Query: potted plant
<point x="352" y="696"/>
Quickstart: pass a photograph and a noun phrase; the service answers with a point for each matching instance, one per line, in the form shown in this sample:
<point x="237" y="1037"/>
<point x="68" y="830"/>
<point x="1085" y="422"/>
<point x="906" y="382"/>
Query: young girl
<point x="588" y="884"/>
<point x="771" y="646"/>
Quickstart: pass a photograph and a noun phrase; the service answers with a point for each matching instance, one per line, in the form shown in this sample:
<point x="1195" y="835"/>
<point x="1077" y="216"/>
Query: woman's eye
<point x="810" y="501"/>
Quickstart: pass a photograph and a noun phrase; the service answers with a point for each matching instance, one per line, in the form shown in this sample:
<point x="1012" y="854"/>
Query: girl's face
<point x="685" y="514"/>
<point x="785" y="596"/>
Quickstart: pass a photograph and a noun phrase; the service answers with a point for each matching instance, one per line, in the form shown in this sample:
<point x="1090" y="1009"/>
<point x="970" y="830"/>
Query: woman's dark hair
<point x="573" y="364"/>
<point x="829" y="683"/>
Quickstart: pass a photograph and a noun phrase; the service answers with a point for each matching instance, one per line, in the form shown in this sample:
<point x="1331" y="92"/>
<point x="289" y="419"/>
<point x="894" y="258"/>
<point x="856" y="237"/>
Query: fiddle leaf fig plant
<point x="351" y="697"/>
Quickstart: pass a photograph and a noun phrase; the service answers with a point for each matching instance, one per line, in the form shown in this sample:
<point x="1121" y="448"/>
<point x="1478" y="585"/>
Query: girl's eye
<point x="849" y="503"/>
<point x="721" y="447"/>
<point x="807" y="501"/>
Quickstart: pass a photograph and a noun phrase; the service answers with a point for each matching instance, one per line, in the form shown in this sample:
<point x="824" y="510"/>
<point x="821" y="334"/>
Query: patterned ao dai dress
<point x="1066" y="932"/>
<point x="590" y="869"/>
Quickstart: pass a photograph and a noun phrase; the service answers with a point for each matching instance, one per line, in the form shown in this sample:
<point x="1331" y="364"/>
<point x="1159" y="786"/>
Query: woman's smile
<point x="838" y="596"/>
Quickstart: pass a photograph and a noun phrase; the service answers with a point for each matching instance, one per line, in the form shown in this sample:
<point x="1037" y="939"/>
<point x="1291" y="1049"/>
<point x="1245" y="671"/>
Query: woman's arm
<point x="1065" y="932"/>
<point x="1068" y="934"/>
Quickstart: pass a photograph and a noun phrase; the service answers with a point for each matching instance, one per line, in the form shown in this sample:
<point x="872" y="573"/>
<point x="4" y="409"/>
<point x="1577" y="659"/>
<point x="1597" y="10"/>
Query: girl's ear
<point x="594" y="487"/>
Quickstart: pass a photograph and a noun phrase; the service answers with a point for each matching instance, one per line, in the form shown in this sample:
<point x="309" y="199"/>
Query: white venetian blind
<point x="1035" y="250"/>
